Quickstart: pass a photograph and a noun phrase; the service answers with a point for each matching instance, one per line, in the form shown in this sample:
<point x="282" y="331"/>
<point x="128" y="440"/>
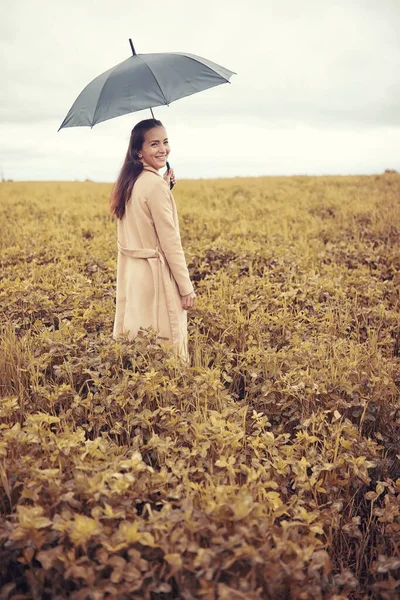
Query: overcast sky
<point x="317" y="89"/>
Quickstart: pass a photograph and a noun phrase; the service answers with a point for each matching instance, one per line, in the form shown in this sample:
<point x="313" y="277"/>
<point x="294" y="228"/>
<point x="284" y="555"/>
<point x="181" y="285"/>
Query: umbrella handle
<point x="171" y="185"/>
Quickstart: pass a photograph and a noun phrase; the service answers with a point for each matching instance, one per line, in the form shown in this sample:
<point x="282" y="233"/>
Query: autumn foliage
<point x="268" y="468"/>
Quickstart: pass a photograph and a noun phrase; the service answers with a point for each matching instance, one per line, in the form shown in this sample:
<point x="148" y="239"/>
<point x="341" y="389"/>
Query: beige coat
<point x="152" y="274"/>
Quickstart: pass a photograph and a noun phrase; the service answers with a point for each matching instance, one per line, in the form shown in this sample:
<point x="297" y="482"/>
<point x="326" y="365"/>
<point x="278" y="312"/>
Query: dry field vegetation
<point x="268" y="468"/>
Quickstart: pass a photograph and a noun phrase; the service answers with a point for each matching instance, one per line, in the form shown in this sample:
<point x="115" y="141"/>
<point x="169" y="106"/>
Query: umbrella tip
<point x="132" y="48"/>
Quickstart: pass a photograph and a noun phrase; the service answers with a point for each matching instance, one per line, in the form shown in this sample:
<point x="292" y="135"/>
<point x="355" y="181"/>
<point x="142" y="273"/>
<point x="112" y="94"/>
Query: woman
<point x="153" y="283"/>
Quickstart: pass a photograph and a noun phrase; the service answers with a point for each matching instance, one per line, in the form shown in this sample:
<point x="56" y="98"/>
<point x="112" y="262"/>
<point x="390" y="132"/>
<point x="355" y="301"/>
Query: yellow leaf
<point x="30" y="517"/>
<point x="83" y="528"/>
<point x="345" y="443"/>
<point x="317" y="529"/>
<point x="128" y="531"/>
<point x="174" y="559"/>
<point x="371" y="496"/>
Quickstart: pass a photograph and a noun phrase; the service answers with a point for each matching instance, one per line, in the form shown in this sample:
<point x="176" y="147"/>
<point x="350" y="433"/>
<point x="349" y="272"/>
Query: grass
<point x="266" y="468"/>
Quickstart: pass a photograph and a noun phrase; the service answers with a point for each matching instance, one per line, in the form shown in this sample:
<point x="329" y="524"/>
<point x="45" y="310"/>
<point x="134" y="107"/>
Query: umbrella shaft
<point x="132" y="48"/>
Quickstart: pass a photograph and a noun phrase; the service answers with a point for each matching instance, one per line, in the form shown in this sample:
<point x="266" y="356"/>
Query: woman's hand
<point x="188" y="301"/>
<point x="169" y="176"/>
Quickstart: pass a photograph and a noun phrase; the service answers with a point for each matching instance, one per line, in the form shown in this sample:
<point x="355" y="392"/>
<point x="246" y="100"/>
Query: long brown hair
<point x="131" y="168"/>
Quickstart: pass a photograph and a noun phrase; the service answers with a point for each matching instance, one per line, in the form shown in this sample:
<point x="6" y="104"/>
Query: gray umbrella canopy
<point x="143" y="81"/>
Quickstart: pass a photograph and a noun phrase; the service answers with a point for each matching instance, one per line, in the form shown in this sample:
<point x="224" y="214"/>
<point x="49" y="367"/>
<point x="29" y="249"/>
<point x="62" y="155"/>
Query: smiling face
<point x="155" y="147"/>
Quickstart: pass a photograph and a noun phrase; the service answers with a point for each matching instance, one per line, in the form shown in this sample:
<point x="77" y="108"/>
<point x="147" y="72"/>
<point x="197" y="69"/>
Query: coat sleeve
<point x="170" y="241"/>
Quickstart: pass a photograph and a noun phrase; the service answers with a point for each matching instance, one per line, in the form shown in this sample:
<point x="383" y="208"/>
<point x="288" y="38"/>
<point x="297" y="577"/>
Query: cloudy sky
<point x="317" y="88"/>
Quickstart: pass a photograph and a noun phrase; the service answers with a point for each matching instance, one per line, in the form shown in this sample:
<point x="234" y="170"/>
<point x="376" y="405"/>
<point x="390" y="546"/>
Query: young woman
<point x="153" y="282"/>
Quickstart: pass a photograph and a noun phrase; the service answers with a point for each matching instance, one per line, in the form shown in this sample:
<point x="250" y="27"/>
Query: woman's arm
<point x="161" y="210"/>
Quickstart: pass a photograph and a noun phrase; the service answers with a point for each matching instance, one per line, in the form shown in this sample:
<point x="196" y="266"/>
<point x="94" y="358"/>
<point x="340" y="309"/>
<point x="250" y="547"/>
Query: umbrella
<point x="143" y="81"/>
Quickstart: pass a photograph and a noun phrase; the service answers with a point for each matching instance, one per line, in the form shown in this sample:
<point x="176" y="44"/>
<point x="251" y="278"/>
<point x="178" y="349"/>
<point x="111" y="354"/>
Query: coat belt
<point x="141" y="252"/>
<point x="161" y="272"/>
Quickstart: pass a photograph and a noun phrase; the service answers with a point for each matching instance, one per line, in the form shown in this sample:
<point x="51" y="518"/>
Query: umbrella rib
<point x="207" y="66"/>
<point x="98" y="99"/>
<point x="155" y="79"/>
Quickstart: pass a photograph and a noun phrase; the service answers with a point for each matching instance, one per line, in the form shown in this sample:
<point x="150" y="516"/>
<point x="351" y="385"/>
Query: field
<point x="267" y="468"/>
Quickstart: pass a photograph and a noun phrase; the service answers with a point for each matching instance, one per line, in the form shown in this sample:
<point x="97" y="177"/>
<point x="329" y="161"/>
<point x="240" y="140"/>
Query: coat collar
<point x="147" y="167"/>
